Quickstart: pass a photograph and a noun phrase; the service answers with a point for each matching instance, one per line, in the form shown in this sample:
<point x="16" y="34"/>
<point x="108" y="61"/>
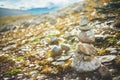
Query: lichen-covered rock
<point x="56" y="51"/>
<point x="54" y="40"/>
<point x="65" y="47"/>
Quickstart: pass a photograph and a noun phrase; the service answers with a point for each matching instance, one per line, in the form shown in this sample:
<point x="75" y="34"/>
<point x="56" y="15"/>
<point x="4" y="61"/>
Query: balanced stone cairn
<point x="85" y="59"/>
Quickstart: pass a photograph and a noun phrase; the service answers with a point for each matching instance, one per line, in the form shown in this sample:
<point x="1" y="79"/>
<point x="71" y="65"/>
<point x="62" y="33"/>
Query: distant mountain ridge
<point x="11" y="12"/>
<point x="41" y="10"/>
<point x="14" y="12"/>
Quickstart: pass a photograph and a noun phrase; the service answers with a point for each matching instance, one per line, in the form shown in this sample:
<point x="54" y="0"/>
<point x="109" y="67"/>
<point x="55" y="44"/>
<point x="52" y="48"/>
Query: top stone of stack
<point x="84" y="21"/>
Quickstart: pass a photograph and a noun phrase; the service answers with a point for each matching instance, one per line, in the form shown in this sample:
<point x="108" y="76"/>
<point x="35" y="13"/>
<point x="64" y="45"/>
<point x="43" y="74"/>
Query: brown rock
<point x="86" y="37"/>
<point x="86" y="49"/>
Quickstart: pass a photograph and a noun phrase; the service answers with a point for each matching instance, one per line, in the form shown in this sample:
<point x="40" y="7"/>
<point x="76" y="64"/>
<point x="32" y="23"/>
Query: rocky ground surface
<point x="42" y="47"/>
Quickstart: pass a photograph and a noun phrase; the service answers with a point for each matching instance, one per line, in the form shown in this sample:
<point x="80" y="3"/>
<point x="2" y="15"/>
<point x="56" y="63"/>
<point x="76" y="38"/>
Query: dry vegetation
<point x="11" y="19"/>
<point x="31" y="49"/>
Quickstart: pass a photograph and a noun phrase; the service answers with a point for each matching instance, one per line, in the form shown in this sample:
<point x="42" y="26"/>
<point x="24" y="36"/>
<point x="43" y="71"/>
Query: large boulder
<point x="83" y="63"/>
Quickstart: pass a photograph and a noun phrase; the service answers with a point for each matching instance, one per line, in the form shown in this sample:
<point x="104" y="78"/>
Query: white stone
<point x="50" y="59"/>
<point x="106" y="58"/>
<point x="33" y="72"/>
<point x="118" y="43"/>
<point x="63" y="58"/>
<point x="112" y="50"/>
<point x="58" y="63"/>
<point x="9" y="47"/>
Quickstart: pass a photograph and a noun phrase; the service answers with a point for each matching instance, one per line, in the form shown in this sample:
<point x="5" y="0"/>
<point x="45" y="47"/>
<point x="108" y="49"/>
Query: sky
<point x="29" y="4"/>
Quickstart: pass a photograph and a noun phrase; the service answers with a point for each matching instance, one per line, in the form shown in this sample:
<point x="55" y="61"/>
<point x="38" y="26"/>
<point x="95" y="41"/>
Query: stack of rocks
<point x="85" y="59"/>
